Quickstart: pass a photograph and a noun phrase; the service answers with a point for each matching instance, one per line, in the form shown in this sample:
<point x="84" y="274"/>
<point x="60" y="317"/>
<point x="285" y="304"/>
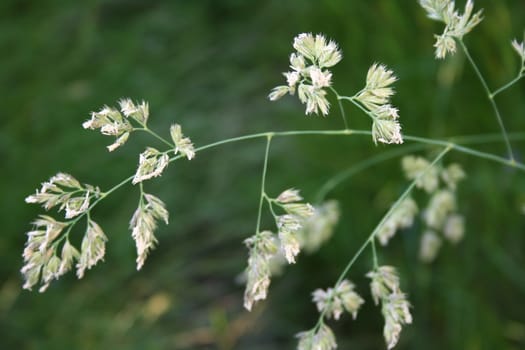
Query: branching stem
<point x="269" y="135"/>
<point x="155" y="135"/>
<point x="371" y="237"/>
<point x="508" y="85"/>
<point x="490" y="96"/>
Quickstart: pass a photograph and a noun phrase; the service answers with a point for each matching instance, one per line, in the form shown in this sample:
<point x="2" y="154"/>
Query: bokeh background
<point x="209" y="66"/>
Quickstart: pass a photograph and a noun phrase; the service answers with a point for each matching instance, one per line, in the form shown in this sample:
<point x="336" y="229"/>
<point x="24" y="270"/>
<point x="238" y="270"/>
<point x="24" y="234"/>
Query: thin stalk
<point x="270" y="205"/>
<point x="512" y="163"/>
<point x="506" y="86"/>
<point x="491" y="99"/>
<point x="270" y="134"/>
<point x="467" y="150"/>
<point x="485" y="138"/>
<point x="263" y="184"/>
<point x="374" y="254"/>
<point x="343" y="114"/>
<point x="157" y="136"/>
<point x="358" y="105"/>
<point x="390" y="211"/>
<point x="371" y="237"/>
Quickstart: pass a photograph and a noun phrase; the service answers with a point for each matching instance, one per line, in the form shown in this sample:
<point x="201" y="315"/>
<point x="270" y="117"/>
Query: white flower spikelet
<point x="377" y="91"/>
<point x="457" y="25"/>
<point x="50" y="271"/>
<point x="64" y="190"/>
<point x="520" y="49"/>
<point x="39" y="251"/>
<point x="69" y="255"/>
<point x="454" y="228"/>
<point x="396" y="312"/>
<point x="394" y="305"/>
<point x="262" y="248"/>
<point x="419" y="169"/>
<point x="116" y="123"/>
<point x="183" y="145"/>
<point x="452" y="175"/>
<point x="375" y="97"/>
<point x="289" y="196"/>
<point x="385" y="281"/>
<point x="318" y="228"/>
<point x="321" y="339"/>
<point x="43" y="262"/>
<point x="110" y="122"/>
<point x="309" y="76"/>
<point x="144" y="223"/>
<point x="441" y="204"/>
<point x="151" y="164"/>
<point x="93" y="248"/>
<point x="386" y="127"/>
<point x="77" y="205"/>
<point x="139" y="112"/>
<point x="334" y="301"/>
<point x="290" y="245"/>
<point x="402" y="217"/>
<point x="435" y="8"/>
<point x="302" y="210"/>
<point x="288" y="225"/>
<point x="429" y="246"/>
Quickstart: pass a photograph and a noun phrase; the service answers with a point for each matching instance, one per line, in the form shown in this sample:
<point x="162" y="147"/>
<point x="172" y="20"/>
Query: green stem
<point x="263" y="184"/>
<point x="467" y="150"/>
<point x="491" y="99"/>
<point x="390" y="211"/>
<point x="512" y="163"/>
<point x="506" y="86"/>
<point x="270" y="205"/>
<point x="154" y="134"/>
<point x="141" y="186"/>
<point x="374" y="254"/>
<point x="485" y="138"/>
<point x="343" y="114"/>
<point x="270" y="134"/>
<point x="358" y="105"/>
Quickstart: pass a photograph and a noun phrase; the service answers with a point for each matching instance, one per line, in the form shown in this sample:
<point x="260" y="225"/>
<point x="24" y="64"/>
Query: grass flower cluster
<point x="457" y="25"/>
<point x="440" y="183"/>
<point x="298" y="225"/>
<point x="49" y="253"/>
<point x="310" y="76"/>
<point x="266" y="246"/>
<point x="394" y="305"/>
<point x="375" y="97"/>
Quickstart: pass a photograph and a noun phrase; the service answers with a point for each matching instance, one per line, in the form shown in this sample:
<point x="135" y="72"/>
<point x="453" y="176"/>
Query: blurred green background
<point x="209" y="66"/>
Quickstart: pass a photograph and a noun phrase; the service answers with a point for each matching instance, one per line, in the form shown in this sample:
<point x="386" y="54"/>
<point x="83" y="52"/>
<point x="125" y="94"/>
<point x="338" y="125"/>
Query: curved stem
<point x="270" y="205"/>
<point x="263" y="183"/>
<point x="270" y="134"/>
<point x="491" y="99"/>
<point x="512" y="163"/>
<point x="506" y="86"/>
